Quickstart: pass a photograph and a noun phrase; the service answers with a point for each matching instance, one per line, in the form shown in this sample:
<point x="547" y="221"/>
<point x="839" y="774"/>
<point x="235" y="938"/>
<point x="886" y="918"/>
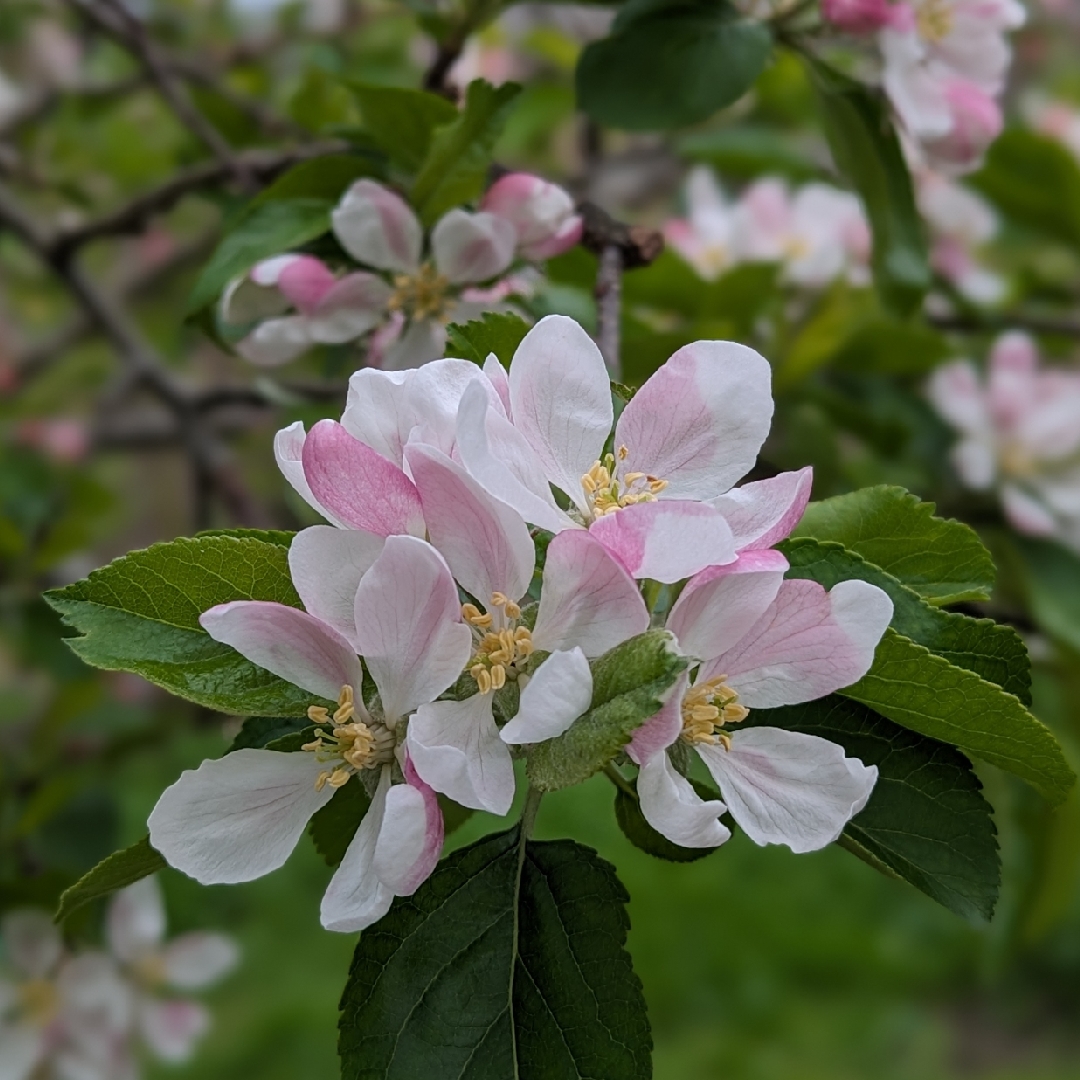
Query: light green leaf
<point x="925" y="693"/>
<point x="323" y="178"/>
<point x="281" y="537"/>
<point x="747" y="151"/>
<point x="943" y="560"/>
<point x="926" y="820"/>
<point x="141" y="614"/>
<point x="1052" y="576"/>
<point x="630" y="683"/>
<point x="668" y="65"/>
<point x="119" y="870"/>
<point x="456" y="167"/>
<point x="403" y="122"/>
<point x="498" y="333"/>
<point x="509" y="961"/>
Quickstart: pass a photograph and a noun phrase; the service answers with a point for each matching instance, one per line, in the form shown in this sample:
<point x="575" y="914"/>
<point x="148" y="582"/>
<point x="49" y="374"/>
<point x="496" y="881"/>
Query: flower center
<point x="606" y="491"/>
<point x="422" y="295"/>
<point x="38" y="1001"/>
<point x="935" y="20"/>
<point x="499" y="652"/>
<point x="352" y="745"/>
<point x="706" y="708"/>
<point x="1016" y="460"/>
<point x="149" y="969"/>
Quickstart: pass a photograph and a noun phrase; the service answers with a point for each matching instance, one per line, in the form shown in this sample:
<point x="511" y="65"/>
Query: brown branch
<point x="637" y="244"/>
<point x="609" y="307"/>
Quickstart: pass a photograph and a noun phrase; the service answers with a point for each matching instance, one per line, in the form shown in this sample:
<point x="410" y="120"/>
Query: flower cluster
<point x="818" y="233"/>
<point x="411" y="284"/>
<point x="944" y="64"/>
<point x="83" y="1015"/>
<point x="1019" y="434"/>
<point x="427" y="575"/>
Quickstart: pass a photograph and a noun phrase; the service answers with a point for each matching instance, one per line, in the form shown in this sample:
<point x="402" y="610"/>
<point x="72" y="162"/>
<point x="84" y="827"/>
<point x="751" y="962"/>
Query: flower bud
<point x="542" y="214"/>
<point x="859" y="16"/>
<point x="976" y="121"/>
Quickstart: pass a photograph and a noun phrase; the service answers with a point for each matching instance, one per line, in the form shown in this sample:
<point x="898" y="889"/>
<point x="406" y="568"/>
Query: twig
<point x="609" y="307"/>
<point x="637" y="244"/>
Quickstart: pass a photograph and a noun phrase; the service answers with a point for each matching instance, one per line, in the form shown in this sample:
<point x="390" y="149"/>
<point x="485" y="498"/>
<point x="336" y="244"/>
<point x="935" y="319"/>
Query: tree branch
<point x="609" y="307"/>
<point x="637" y="244"/>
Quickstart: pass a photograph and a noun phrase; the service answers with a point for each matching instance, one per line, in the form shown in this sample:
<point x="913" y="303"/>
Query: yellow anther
<point x="498" y="652"/>
<point x="935" y="20"/>
<point x="624" y="453"/>
<point x="607" y="492"/>
<point x="317" y="714"/>
<point x="423" y="295"/>
<point x="498" y="676"/>
<point x="706" y="708"/>
<point x="474" y="616"/>
<point x="338" y="778"/>
<point x="513" y="610"/>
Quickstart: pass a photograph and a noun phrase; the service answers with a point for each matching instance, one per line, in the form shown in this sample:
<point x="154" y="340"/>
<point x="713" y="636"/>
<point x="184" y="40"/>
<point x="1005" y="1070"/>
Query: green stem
<point x="528" y="813"/>
<point x="619" y="780"/>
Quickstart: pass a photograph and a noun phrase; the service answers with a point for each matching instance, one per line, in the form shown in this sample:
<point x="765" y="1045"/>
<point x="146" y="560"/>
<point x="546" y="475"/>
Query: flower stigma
<point x="353" y="745"/>
<point x="706" y="708"/>
<point x="422" y="295"/>
<point x="606" y="491"/>
<point x="502" y="646"/>
<point x="935" y="20"/>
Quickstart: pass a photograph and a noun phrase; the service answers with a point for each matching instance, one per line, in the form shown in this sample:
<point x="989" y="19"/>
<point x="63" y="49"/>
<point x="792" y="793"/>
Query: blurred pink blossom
<point x="65" y="440"/>
<point x="860" y="16"/>
<point x="1059" y="120"/>
<point x="542" y="214"/>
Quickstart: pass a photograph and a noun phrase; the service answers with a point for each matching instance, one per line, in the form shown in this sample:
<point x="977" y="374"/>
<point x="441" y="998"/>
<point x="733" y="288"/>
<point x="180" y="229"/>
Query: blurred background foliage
<point x="757" y="964"/>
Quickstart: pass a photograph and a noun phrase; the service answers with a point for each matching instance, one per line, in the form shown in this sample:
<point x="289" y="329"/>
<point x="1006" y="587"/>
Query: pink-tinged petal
<point x="542" y="214"/>
<point x="699" y="421"/>
<point x="411" y="837"/>
<point x="500" y="381"/>
<point x="472" y="247"/>
<point x="672" y="807"/>
<point x="23" y="1049"/>
<point x="1050" y="429"/>
<point x="239" y="817"/>
<point x="289" y="454"/>
<point x="304" y="281"/>
<point x="172" y="1029"/>
<point x="268" y="272"/>
<point x="294" y="645"/>
<point x="587" y="598"/>
<point x="809" y="643"/>
<point x="500" y="458"/>
<point x="277" y="341"/>
<point x="720" y="605"/>
<point x="94" y="996"/>
<point x="197" y="960"/>
<point x="975" y="461"/>
<point x="956" y="391"/>
<point x="785" y="787"/>
<point x="31" y="942"/>
<point x="485" y="543"/>
<point x="1011" y="375"/>
<point x="1026" y="513"/>
<point x="559" y="691"/>
<point x="408" y="626"/>
<point x="135" y="924"/>
<point x="666" y="541"/>
<point x="350" y="308"/>
<point x="456" y="748"/>
<point x="764" y="512"/>
<point x="359" y="486"/>
<point x="356" y="897"/>
<point x="561" y="401"/>
<point x="662" y="728"/>
<point x="567" y="236"/>
<point x="422" y="342"/>
<point x="326" y="565"/>
<point x="378" y="228"/>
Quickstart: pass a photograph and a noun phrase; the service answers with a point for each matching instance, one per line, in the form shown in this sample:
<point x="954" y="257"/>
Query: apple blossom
<point x="1057" y="119"/>
<point x="707" y="237"/>
<point x="859" y="16"/>
<point x="239" y="817"/>
<point x="542" y="214"/>
<point x="1019" y="432"/>
<point x="762" y="642"/>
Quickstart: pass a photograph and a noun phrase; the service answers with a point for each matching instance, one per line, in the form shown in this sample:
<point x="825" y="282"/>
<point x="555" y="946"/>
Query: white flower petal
<point x="422" y="342"/>
<point x="31" y="941"/>
<point x="472" y="247"/>
<point x="277" y="341"/>
<point x="289" y="454"/>
<point x="196" y="960"/>
<point x="672" y="807"/>
<point x="377" y="227"/>
<point x="411" y="837"/>
<point x="22" y="1049"/>
<point x="136" y="920"/>
<point x="172" y="1029"/>
<point x="559" y="691"/>
<point x="764" y="512"/>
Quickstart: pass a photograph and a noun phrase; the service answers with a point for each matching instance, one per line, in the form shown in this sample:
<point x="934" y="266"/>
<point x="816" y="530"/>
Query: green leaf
<point x="630" y="683"/>
<point x="496" y="333"/>
<point x="867" y="152"/>
<point x="926" y="820"/>
<point x="334" y="825"/>
<point x="667" y="65"/>
<point x="996" y="653"/>
<point x="119" y="870"/>
<point x="749" y="150"/>
<point x="402" y="122"/>
<point x="141" y="614"/>
<point x="925" y="693"/>
<point x="1051" y="574"/>
<point x="943" y="560"/>
<point x="257" y="731"/>
<point x="323" y="178"/>
<point x="1035" y="181"/>
<point x="271" y="228"/>
<point x="282" y="537"/>
<point x="455" y="168"/>
<point x="644" y="837"/>
<point x="509" y="961"/>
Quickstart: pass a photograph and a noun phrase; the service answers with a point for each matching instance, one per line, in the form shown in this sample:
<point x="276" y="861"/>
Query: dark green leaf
<point x="867" y="153"/>
<point x="643" y="836"/>
<point x="508" y="962"/>
<point x="496" y="333"/>
<point x="141" y="614"/>
<point x="667" y="65"/>
<point x="402" y="122"/>
<point x="257" y="731"/>
<point x="271" y="228"/>
<point x="943" y="560"/>
<point x="119" y="870"/>
<point x="334" y="825"/>
<point x="455" y="168"/>
<point x="749" y="150"/>
<point x="324" y="178"/>
<point x="1052" y="576"/>
<point x="927" y="820"/>
<point x="925" y="693"/>
<point x="630" y="683"/>
<point x="269" y="536"/>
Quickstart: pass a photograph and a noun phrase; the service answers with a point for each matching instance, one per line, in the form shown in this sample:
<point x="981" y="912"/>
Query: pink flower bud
<point x="976" y="123"/>
<point x="542" y="214"/>
<point x="859" y="16"/>
<point x="305" y="281"/>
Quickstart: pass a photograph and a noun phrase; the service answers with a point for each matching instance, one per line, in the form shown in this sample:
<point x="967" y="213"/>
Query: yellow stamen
<point x="353" y="744"/>
<point x="935" y="20"/>
<point x="706" y="708"/>
<point x="423" y="295"/>
<point x="607" y="492"/>
<point x="498" y="652"/>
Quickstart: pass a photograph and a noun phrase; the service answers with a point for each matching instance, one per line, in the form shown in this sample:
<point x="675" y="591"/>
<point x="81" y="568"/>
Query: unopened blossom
<point x="859" y="16"/>
<point x="239" y="817"/>
<point x="170" y="1026"/>
<point x="542" y="214"/>
<point x="1019" y="429"/>
<point x="707" y="238"/>
<point x="60" y="1015"/>
<point x="421" y="277"/>
<point x="1057" y="119"/>
<point x="962" y="224"/>
<point x="690" y="432"/>
<point x="761" y="642"/>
